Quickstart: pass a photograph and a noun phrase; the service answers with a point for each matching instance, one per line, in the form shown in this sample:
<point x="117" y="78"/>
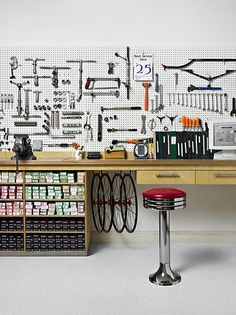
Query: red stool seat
<point x="164" y="193"/>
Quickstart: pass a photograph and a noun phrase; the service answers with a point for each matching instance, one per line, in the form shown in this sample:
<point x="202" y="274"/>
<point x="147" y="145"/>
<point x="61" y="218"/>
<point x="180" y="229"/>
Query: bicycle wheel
<point x="106" y="188"/>
<point x="131" y="203"/>
<point x="97" y="203"/>
<point x="119" y="204"/>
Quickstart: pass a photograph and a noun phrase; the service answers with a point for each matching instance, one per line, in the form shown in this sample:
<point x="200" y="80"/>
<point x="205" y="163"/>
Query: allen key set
<point x="92" y="94"/>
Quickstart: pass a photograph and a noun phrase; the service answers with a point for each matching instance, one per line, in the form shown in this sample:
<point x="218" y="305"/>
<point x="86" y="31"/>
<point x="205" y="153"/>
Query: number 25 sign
<point x="143" y="67"/>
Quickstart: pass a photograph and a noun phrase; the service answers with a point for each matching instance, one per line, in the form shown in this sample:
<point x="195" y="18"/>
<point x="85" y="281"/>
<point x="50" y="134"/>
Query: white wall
<point x="117" y="22"/>
<point x="182" y="23"/>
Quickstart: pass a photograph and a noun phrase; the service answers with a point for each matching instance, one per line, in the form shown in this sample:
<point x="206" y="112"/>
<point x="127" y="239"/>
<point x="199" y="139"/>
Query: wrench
<point x="183" y="99"/>
<point x="152" y="107"/>
<point x="226" y="102"/>
<point x="212" y="100"/>
<point x="217" y="103"/>
<point x="204" y="102"/>
<point x="143" y="129"/>
<point x="208" y="102"/>
<point x="191" y="100"/>
<point x="87" y="126"/>
<point x="195" y="100"/>
<point x="178" y="102"/>
<point x="199" y="101"/>
<point x="221" y="104"/>
<point x="186" y="100"/>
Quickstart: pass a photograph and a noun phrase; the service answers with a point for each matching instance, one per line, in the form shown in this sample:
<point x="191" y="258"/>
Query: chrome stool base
<point x="165" y="276"/>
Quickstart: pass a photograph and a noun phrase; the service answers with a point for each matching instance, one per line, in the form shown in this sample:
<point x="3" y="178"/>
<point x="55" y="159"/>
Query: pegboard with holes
<point x="41" y="122"/>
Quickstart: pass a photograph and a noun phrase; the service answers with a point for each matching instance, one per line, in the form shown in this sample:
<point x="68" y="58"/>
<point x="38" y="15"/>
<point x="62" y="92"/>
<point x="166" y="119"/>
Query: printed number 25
<point x="143" y="69"/>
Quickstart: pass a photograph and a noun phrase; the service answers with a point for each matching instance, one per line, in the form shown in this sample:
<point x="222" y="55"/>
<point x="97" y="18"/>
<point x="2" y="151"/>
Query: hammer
<point x="146" y="86"/>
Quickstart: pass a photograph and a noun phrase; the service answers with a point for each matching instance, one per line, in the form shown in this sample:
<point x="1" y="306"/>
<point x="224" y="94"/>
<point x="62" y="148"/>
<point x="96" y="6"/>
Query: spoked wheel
<point x="131" y="203"/>
<point x="106" y="188"/>
<point x="119" y="198"/>
<point x="98" y="203"/>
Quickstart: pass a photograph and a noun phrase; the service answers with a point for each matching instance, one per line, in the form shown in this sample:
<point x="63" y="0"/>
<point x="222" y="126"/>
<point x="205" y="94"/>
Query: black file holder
<point x="181" y="145"/>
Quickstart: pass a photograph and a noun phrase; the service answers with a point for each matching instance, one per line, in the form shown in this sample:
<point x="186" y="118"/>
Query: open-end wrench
<point x="204" y="102"/>
<point x="143" y="129"/>
<point x="195" y="100"/>
<point x="173" y="97"/>
<point x="213" y="103"/>
<point x="221" y="103"/>
<point x="169" y="98"/>
<point x="87" y="126"/>
<point x="199" y="101"/>
<point x="182" y="99"/>
<point x="226" y="102"/>
<point x="191" y="100"/>
<point x="152" y="107"/>
<point x="217" y="103"/>
<point x="187" y="102"/>
<point x="178" y="95"/>
<point x="208" y="102"/>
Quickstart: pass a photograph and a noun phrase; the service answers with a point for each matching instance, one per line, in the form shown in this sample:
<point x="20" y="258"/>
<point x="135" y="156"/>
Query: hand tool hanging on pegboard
<point x="121" y="108"/>
<point x="14" y="65"/>
<point x="90" y="83"/>
<point x="146" y="86"/>
<point x="127" y="60"/>
<point x="224" y="60"/>
<point x="99" y="127"/>
<point x="36" y="78"/>
<point x="34" y="63"/>
<point x="81" y="62"/>
<point x="19" y="101"/>
<point x="133" y="141"/>
<point x="109" y="93"/>
<point x="55" y="69"/>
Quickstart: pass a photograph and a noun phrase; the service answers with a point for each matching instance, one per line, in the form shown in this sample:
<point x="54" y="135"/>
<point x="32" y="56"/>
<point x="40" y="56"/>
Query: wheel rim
<point x="131" y="202"/>
<point x="119" y="197"/>
<point x="97" y="203"/>
<point x="108" y="201"/>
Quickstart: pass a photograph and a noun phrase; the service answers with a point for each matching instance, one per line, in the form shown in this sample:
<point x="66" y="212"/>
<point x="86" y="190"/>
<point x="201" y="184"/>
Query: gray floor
<point x="114" y="280"/>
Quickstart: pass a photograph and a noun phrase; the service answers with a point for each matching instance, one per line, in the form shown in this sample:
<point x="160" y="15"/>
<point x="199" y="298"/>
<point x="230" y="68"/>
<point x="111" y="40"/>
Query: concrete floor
<point x="113" y="280"/>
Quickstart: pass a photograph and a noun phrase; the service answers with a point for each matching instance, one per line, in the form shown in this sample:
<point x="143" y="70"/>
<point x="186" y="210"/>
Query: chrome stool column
<point x="164" y="200"/>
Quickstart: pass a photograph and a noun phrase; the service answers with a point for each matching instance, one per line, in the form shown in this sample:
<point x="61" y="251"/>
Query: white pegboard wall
<point x="126" y="119"/>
